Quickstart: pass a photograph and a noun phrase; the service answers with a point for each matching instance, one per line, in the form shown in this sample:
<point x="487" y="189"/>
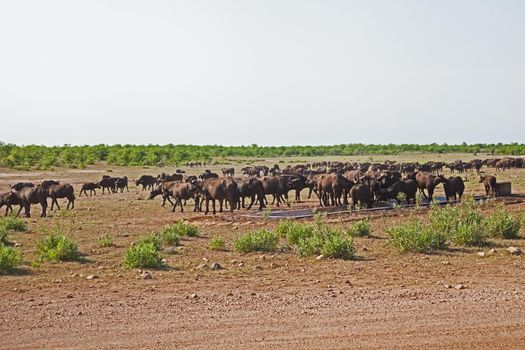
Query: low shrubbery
<point x="106" y="240"/>
<point x="10" y="258"/>
<point x="144" y="254"/>
<point x="258" y="241"/>
<point x="10" y="223"/>
<point x="503" y="224"/>
<point x="57" y="247"/>
<point x="217" y="243"/>
<point x="462" y="225"/>
<point x="360" y="228"/>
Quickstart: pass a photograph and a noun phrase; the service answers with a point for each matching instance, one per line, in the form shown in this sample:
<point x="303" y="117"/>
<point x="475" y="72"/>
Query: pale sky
<point x="265" y="72"/>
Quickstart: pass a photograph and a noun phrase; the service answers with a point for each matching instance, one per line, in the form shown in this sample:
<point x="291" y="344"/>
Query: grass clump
<point x="10" y="258"/>
<point x="106" y="240"/>
<point x="217" y="243"/>
<point x="258" y="241"/>
<point x="503" y="224"/>
<point x="4" y="237"/>
<point x="169" y="235"/>
<point x="182" y="229"/>
<point x="57" y="247"/>
<point x="316" y="239"/>
<point x="10" y="223"/>
<point x="463" y="224"/>
<point x="360" y="228"/>
<point x="416" y="237"/>
<point x="144" y="254"/>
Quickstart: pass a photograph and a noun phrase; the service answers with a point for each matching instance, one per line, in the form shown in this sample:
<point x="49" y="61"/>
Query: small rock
<point x="203" y="266"/>
<point x="164" y="261"/>
<point x="320" y="257"/>
<point x="491" y="251"/>
<point x="91" y="277"/>
<point x="194" y="296"/>
<point x="216" y="266"/>
<point x="169" y="250"/>
<point x="146" y="275"/>
<point x="18" y="244"/>
<point x="481" y="254"/>
<point x="514" y="250"/>
<point x="447" y="286"/>
<point x="445" y="262"/>
<point x="460" y="286"/>
<point x="241" y="264"/>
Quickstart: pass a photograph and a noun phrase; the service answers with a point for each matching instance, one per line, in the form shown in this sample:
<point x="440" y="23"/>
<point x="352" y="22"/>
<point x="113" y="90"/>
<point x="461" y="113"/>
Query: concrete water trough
<point x="379" y="206"/>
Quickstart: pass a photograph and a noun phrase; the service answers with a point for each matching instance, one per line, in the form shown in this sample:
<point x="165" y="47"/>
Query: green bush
<point x="10" y="258"/>
<point x="338" y="247"/>
<point x="153" y="238"/>
<point x="4" y="237"/>
<point x="463" y="224"/>
<point x="11" y="223"/>
<point x="57" y="247"/>
<point x="106" y="240"/>
<point x="414" y="236"/>
<point x="360" y="228"/>
<point x="182" y="229"/>
<point x="316" y="239"/>
<point x="258" y="241"/>
<point x="169" y="235"/>
<point x="503" y="224"/>
<point x="142" y="255"/>
<point x="217" y="243"/>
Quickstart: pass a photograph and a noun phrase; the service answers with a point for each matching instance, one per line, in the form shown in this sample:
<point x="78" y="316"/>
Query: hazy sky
<point x="266" y="72"/>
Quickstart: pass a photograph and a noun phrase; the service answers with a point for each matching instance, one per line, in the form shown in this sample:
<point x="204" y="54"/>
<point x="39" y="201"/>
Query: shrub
<point x="152" y="238"/>
<point x="316" y="239"/>
<point x="13" y="224"/>
<point x="4" y="239"/>
<point x="414" y="236"/>
<point x="182" y="229"/>
<point x="10" y="258"/>
<point x="360" y="228"/>
<point x="169" y="235"/>
<point x="142" y="255"/>
<point x="503" y="224"/>
<point x="57" y="247"/>
<point x="338" y="247"/>
<point x="462" y="224"/>
<point x="217" y="243"/>
<point x="294" y="232"/>
<point x="258" y="241"/>
<point x="106" y="240"/>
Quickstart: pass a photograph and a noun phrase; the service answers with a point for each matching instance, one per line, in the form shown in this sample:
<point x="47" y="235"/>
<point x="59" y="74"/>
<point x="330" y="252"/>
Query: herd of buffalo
<point x="334" y="183"/>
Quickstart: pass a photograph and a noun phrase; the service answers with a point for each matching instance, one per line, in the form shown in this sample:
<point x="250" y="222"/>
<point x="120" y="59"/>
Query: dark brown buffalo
<point x="208" y="175"/>
<point x="221" y="189"/>
<point x="182" y="191"/>
<point x="147" y="182"/>
<point x="426" y="181"/>
<point x="162" y="189"/>
<point x="89" y="186"/>
<point x="408" y="187"/>
<point x="330" y="188"/>
<point x="121" y="184"/>
<point x="57" y="190"/>
<point x="277" y="186"/>
<point x="251" y="187"/>
<point x="489" y="182"/>
<point x="361" y="194"/>
<point x="8" y="199"/>
<point x="108" y="183"/>
<point x="31" y="195"/>
<point x="454" y="188"/>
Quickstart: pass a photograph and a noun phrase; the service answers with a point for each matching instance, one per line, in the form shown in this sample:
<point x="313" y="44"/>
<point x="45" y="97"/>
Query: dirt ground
<point x="268" y="301"/>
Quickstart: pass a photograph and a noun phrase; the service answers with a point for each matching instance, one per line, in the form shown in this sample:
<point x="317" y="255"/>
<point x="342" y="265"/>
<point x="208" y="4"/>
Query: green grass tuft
<point x="57" y="247"/>
<point x="217" y="243"/>
<point x="258" y="241"/>
<point x="10" y="258"/>
<point x="503" y="224"/>
<point x="142" y="255"/>
<point x="106" y="240"/>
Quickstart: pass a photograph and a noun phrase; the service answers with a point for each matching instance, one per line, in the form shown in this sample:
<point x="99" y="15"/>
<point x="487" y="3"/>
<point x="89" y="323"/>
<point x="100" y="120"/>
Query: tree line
<point x="45" y="157"/>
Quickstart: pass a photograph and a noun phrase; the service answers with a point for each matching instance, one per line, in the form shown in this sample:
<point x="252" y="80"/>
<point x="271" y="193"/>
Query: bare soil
<point x="268" y="301"/>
